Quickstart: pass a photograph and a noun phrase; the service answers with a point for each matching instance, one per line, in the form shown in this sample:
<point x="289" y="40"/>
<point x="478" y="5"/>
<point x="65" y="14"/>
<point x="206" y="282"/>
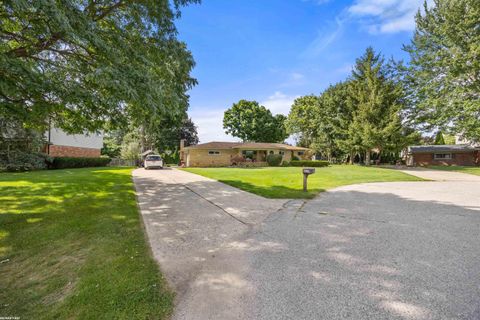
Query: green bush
<point x="285" y="164"/>
<point x="23" y="161"/>
<point x="274" y="160"/>
<point x="309" y="163"/>
<point x="295" y="158"/>
<point x="68" y="162"/>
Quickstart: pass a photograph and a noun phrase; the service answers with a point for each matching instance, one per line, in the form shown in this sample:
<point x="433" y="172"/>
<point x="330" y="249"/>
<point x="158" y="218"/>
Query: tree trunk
<point x="367" y="157"/>
<point x="352" y="156"/>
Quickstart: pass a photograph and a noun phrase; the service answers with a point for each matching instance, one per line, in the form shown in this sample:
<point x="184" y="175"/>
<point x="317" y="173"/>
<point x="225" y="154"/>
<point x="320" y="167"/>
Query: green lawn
<point x="287" y="182"/>
<point x="470" y="170"/>
<point x="72" y="247"/>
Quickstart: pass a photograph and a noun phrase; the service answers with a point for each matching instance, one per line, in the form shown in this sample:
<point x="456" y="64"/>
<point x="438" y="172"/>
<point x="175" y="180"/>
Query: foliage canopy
<point x="85" y="63"/>
<point x="252" y="122"/>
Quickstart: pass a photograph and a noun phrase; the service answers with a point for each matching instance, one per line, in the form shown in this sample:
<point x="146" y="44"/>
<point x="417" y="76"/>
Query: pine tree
<point x="376" y="105"/>
<point x="443" y="77"/>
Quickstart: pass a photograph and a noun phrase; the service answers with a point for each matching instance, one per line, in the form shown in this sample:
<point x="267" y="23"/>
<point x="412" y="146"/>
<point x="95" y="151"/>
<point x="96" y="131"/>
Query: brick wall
<point x="201" y="158"/>
<point x="75" y="152"/>
<point x="459" y="159"/>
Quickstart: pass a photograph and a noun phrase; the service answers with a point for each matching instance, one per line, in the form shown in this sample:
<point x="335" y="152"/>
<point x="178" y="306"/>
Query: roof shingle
<point x="442" y="148"/>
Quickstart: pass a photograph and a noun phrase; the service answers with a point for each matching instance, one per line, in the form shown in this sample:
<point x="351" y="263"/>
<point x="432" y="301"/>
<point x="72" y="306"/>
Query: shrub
<point x="23" y="161"/>
<point x="67" y="162"/>
<point x="274" y="160"/>
<point x="309" y="163"/>
<point x="295" y="158"/>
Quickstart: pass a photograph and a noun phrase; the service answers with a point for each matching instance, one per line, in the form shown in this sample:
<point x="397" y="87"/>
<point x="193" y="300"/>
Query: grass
<point x="287" y="182"/>
<point x="470" y="170"/>
<point x="72" y="247"/>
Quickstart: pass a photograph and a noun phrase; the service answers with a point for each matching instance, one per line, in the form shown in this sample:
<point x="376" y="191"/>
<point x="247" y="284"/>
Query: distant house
<point x="221" y="154"/>
<point x="61" y="144"/>
<point x="456" y="154"/>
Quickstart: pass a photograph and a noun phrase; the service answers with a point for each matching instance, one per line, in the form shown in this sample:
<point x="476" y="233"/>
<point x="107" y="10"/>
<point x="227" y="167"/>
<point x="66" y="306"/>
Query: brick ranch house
<point x="222" y="154"/>
<point x="61" y="144"/>
<point x="448" y="155"/>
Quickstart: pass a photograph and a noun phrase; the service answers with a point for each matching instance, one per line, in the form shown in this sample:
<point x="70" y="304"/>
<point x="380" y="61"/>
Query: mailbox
<point x="308" y="170"/>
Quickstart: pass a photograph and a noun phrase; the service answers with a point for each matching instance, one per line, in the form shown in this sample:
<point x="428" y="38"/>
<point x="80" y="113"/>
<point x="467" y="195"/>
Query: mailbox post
<point x="306" y="173"/>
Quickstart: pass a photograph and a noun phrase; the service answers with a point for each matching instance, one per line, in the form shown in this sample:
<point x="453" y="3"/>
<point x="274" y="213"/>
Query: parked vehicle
<point x="153" y="161"/>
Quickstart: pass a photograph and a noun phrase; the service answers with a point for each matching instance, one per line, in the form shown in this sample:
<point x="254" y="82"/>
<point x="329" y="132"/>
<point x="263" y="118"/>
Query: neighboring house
<point x="220" y="154"/>
<point x="61" y="144"/>
<point x="455" y="154"/>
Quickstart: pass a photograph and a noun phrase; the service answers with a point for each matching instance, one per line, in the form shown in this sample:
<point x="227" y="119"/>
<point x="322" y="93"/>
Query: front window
<point x="213" y="152"/>
<point x="249" y="154"/>
<point x="281" y="152"/>
<point x="153" y="158"/>
<point x="301" y="153"/>
<point x="442" y="156"/>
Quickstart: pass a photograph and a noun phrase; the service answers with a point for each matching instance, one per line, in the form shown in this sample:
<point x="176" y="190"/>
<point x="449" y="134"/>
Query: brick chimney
<point x="182" y="153"/>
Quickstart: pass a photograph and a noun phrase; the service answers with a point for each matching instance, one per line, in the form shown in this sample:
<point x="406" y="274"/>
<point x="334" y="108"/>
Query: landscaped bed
<point x="72" y="246"/>
<point x="287" y="182"/>
<point x="470" y="170"/>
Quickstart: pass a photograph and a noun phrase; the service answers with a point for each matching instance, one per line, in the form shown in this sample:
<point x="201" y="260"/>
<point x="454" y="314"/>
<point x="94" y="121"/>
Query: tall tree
<point x="377" y="101"/>
<point x="84" y="63"/>
<point x="300" y="120"/>
<point x="252" y="122"/>
<point x="439" y="138"/>
<point x="444" y="72"/>
<point x="322" y="122"/>
<point x="188" y="132"/>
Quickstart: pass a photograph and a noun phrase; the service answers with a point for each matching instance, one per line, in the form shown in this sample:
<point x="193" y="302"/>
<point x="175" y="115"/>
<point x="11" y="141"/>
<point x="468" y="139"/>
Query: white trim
<point x="442" y="156"/>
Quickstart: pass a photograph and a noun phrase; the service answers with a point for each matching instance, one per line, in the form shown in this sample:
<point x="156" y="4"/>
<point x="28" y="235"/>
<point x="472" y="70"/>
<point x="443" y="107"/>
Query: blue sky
<point x="273" y="51"/>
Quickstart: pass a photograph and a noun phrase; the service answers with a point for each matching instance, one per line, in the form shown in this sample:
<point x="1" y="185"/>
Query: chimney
<point x="182" y="144"/>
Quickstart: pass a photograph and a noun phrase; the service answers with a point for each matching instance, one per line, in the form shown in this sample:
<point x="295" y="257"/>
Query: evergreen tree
<point x="439" y="140"/>
<point x="443" y="78"/>
<point x="376" y="101"/>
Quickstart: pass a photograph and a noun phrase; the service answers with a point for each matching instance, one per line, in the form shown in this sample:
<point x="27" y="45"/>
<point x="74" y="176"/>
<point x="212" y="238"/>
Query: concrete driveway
<point x="402" y="250"/>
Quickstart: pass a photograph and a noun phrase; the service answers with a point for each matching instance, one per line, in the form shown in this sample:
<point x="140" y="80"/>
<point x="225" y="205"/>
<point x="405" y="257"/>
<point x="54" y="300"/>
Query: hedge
<point x="23" y="161"/>
<point x="274" y="160"/>
<point x="68" y="162"/>
<point x="309" y="163"/>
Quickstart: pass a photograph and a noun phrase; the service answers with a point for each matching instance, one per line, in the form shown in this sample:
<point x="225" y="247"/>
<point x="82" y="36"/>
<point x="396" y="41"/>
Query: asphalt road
<point x="372" y="251"/>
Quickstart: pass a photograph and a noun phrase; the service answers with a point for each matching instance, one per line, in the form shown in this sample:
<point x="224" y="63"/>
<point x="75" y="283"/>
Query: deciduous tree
<point x="84" y="63"/>
<point x="252" y="122"/>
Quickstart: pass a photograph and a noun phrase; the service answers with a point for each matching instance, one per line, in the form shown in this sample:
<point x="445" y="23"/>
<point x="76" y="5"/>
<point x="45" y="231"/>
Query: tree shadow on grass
<point x="69" y="240"/>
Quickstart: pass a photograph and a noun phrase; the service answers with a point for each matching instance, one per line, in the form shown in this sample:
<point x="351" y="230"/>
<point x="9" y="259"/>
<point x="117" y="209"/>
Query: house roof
<point x="442" y="148"/>
<point x="244" y="145"/>
<point x="214" y="145"/>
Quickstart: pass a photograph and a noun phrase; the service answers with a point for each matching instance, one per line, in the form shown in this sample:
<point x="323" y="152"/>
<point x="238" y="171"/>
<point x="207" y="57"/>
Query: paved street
<point x="400" y="250"/>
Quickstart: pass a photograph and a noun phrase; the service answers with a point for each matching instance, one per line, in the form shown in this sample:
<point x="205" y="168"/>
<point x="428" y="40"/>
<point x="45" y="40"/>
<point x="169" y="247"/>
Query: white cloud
<point x="210" y="123"/>
<point x="386" y="16"/>
<point x="324" y="39"/>
<point x="296" y="76"/>
<point x="345" y="69"/>
<point x="279" y="103"/>
<point x="210" y="126"/>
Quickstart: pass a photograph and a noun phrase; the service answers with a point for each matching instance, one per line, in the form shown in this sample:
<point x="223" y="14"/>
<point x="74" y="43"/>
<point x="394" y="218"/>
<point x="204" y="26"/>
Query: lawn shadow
<point x="54" y="226"/>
